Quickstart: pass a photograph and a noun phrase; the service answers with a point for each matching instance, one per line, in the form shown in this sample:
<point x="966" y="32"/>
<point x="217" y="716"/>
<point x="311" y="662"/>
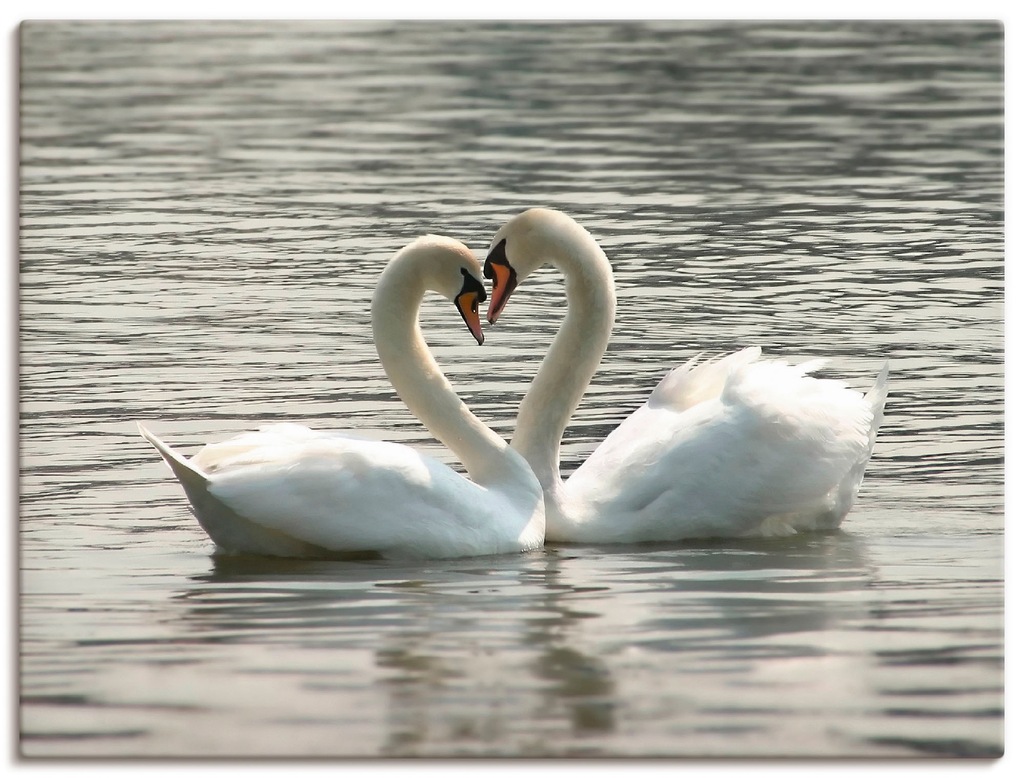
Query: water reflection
<point x="464" y="654"/>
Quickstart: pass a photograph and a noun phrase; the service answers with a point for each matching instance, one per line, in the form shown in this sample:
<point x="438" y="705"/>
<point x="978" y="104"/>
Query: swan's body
<point x="732" y="447"/>
<point x="290" y="491"/>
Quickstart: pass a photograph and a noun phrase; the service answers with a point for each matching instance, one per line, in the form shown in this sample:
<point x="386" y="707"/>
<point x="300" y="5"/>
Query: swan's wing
<point x="721" y="447"/>
<point x="266" y="442"/>
<point x="695" y="381"/>
<point x="339" y="492"/>
<point x="345" y="494"/>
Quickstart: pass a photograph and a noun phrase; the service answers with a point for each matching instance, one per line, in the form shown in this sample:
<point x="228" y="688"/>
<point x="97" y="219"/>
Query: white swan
<point x="734" y="446"/>
<point x="289" y="491"/>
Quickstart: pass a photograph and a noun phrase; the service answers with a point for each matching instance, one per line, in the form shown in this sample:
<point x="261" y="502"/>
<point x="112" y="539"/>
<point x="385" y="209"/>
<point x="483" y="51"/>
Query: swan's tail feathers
<point x="876" y="400"/>
<point x="191" y="477"/>
<point x="229" y="530"/>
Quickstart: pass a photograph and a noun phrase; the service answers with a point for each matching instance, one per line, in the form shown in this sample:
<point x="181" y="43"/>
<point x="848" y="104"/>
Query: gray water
<point x="204" y="210"/>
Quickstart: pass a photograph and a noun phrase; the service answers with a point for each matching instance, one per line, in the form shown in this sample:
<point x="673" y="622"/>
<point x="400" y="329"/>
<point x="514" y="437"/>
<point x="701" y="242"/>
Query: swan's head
<point x="525" y="243"/>
<point x="449" y="268"/>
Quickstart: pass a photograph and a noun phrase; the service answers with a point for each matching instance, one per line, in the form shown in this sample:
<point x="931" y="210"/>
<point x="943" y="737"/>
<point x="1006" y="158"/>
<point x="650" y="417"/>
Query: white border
<point x="1009" y="13"/>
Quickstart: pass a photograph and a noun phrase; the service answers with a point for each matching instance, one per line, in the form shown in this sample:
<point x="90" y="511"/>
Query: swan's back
<point x="287" y="490"/>
<point x="730" y="447"/>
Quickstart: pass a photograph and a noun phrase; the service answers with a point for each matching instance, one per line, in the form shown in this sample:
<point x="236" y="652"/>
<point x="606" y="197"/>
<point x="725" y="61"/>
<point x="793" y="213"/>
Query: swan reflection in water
<point x="455" y="656"/>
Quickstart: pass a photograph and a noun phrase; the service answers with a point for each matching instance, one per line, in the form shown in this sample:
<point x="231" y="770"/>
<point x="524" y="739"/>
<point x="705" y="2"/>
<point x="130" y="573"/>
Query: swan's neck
<point x="423" y="387"/>
<point x="574" y="355"/>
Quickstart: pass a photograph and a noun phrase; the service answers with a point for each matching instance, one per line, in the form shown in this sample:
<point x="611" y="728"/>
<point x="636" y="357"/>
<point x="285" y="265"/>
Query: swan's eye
<point x="472" y="285"/>
<point x="496" y="256"/>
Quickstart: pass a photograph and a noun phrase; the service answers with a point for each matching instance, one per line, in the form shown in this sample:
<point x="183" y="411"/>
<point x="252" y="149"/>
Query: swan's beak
<point x="503" y="280"/>
<point x="503" y="284"/>
<point x="468" y="304"/>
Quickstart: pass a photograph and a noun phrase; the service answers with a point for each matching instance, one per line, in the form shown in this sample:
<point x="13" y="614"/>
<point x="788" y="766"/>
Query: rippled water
<point x="205" y="208"/>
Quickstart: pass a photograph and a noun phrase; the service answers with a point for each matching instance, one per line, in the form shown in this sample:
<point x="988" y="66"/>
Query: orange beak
<point x="468" y="304"/>
<point x="503" y="283"/>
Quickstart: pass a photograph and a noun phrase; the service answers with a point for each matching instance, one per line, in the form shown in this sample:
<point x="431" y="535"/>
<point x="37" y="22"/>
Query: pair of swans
<point x="731" y="447"/>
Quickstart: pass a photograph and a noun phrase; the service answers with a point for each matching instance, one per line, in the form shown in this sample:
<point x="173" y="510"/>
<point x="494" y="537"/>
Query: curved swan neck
<point x="577" y="349"/>
<point x="418" y="379"/>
